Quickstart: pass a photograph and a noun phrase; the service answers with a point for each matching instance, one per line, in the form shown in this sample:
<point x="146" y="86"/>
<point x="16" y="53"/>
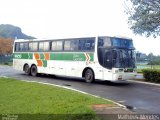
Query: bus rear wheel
<point x="89" y="76"/>
<point x="34" y="70"/>
<point x="27" y="69"/>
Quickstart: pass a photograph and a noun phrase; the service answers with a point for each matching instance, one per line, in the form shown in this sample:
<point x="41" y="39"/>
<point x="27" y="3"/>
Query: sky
<point x="73" y="18"/>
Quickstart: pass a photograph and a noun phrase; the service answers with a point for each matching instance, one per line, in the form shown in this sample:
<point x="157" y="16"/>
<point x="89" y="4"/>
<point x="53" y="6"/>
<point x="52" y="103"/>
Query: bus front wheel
<point x="34" y="70"/>
<point x="89" y="76"/>
<point x="27" y="69"/>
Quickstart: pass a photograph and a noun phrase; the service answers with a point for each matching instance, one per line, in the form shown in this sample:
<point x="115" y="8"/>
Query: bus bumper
<point x="125" y="76"/>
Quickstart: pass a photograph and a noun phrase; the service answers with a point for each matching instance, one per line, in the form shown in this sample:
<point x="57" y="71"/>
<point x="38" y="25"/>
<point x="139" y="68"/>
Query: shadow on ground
<point x="81" y="80"/>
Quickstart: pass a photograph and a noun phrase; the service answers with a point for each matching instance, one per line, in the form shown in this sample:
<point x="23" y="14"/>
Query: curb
<point x="147" y="83"/>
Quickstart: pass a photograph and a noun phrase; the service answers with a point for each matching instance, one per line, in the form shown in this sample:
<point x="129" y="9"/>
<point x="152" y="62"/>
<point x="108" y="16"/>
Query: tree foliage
<point x="6" y="46"/>
<point x="144" y="16"/>
<point x="153" y="60"/>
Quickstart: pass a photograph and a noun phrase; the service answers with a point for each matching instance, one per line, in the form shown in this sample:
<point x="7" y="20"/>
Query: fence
<point x="6" y="59"/>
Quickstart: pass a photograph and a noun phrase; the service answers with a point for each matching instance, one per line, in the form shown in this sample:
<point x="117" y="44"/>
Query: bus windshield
<point x="116" y="52"/>
<point x="120" y="42"/>
<point x="123" y="58"/>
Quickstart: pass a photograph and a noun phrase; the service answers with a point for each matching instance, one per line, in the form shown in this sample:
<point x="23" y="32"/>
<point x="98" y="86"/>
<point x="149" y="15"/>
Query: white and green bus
<point x="102" y="57"/>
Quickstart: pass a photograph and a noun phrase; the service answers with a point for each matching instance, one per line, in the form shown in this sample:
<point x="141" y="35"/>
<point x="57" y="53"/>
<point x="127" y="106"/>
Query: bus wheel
<point x="89" y="76"/>
<point x="27" y="69"/>
<point x="34" y="70"/>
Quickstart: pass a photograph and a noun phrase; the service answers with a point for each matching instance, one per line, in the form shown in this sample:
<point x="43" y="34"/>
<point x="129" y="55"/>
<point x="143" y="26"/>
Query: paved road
<point x="143" y="98"/>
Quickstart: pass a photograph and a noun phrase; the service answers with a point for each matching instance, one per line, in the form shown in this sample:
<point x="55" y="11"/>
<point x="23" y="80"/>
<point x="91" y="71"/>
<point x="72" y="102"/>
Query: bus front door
<point x="107" y="69"/>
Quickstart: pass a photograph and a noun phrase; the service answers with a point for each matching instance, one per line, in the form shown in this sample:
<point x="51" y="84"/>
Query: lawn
<point x="38" y="101"/>
<point x="141" y="67"/>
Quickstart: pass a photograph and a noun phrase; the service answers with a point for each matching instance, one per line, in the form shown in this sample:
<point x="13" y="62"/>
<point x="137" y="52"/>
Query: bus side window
<point x="90" y="44"/>
<point x="81" y="45"/>
<point x="16" y="47"/>
<point x="41" y="46"/>
<point x="46" y="46"/>
<point x="21" y="47"/>
<point x="67" y="44"/>
<point x="74" y="45"/>
<point x="30" y="46"/>
<point x="33" y="46"/>
<point x="25" y="46"/>
<point x="86" y="44"/>
<point x="57" y="45"/>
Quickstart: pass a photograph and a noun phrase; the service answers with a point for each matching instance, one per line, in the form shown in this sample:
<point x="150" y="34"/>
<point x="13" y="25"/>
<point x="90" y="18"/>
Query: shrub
<point x="151" y="75"/>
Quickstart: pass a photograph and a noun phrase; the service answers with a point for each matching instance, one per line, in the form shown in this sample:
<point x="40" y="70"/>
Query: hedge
<point x="151" y="75"/>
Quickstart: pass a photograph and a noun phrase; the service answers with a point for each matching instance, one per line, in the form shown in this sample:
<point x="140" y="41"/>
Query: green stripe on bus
<point x="57" y="56"/>
<point x="23" y="55"/>
<point x="44" y="63"/>
<point x="30" y="55"/>
<point x="91" y="56"/>
<point x="41" y="56"/>
<point x="70" y="56"/>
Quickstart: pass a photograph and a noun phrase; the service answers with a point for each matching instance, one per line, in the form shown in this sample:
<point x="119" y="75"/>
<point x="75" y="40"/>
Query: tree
<point x="154" y="60"/>
<point x="144" y="16"/>
<point x="6" y="46"/>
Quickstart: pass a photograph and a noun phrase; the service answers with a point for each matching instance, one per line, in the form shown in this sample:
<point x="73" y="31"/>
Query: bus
<point x="102" y="57"/>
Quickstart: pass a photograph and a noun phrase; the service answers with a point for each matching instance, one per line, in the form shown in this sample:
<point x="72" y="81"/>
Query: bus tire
<point x="27" y="69"/>
<point x="34" y="70"/>
<point x="89" y="76"/>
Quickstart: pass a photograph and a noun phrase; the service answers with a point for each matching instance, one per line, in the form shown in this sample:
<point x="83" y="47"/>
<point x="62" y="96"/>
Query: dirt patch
<point x="109" y="112"/>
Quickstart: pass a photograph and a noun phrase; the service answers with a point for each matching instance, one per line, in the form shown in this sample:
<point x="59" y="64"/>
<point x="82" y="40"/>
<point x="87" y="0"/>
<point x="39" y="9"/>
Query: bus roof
<point x="27" y="40"/>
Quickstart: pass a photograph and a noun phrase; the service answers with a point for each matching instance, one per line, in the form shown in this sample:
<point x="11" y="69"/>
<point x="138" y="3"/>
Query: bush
<point x="151" y="75"/>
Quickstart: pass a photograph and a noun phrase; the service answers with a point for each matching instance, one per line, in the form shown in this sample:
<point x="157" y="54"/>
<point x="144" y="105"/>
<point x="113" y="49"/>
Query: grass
<point x="141" y="67"/>
<point x="39" y="101"/>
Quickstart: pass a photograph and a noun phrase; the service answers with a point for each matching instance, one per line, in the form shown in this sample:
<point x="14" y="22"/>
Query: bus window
<point x="43" y="46"/>
<point x="54" y="44"/>
<point x="104" y="42"/>
<point x="71" y="45"/>
<point x="120" y="42"/>
<point x="57" y="45"/>
<point x="67" y="44"/>
<point x="23" y="46"/>
<point x="46" y="46"/>
<point x="86" y="44"/>
<point x="74" y="45"/>
<point x="40" y="46"/>
<point x="33" y="46"/>
<point x="16" y="47"/>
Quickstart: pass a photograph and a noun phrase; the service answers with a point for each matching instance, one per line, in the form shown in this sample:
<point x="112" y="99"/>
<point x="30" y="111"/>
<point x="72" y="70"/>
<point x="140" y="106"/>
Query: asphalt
<point x="137" y="97"/>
